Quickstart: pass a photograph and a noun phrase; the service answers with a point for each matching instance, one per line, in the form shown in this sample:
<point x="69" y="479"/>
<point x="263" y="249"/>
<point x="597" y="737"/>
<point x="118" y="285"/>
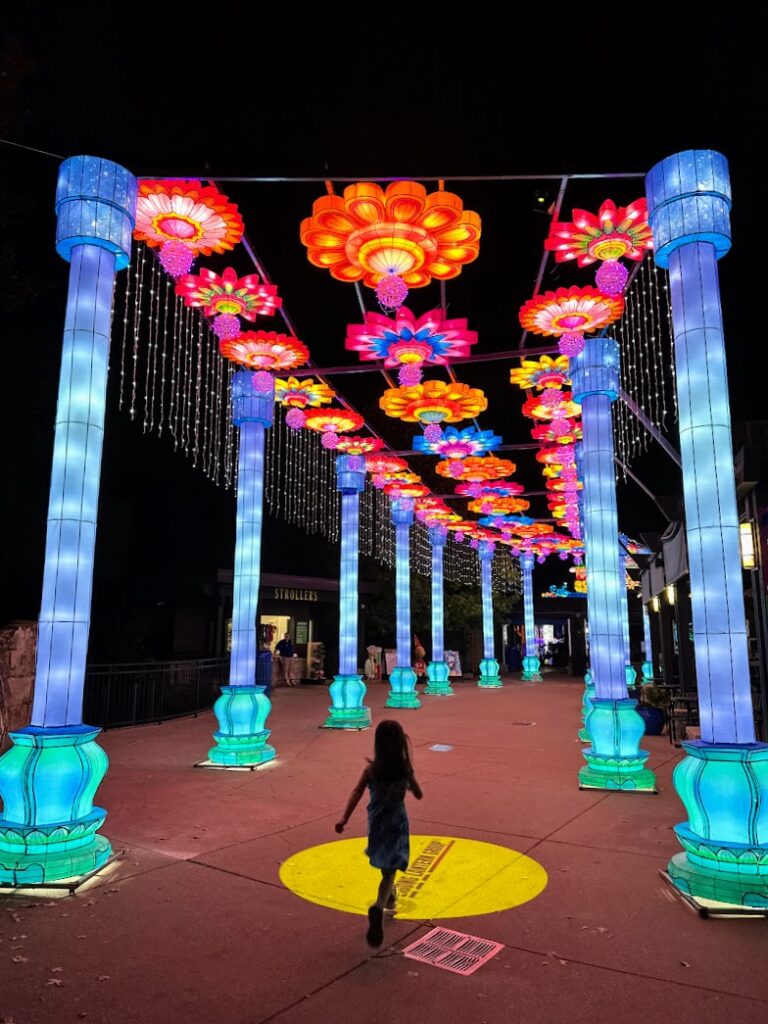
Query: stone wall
<point x="17" y="675"/>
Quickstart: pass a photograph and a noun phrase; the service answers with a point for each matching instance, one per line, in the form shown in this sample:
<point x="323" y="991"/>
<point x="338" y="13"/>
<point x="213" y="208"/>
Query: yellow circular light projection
<point x="446" y="877"/>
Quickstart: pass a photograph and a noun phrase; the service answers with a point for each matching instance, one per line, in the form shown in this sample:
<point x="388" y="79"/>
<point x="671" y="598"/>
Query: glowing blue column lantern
<point x="49" y="777"/>
<point x="723" y="782"/>
<point x="647" y="668"/>
<point x="589" y="683"/>
<point x="531" y="663"/>
<point x="613" y="724"/>
<point x="243" y="707"/>
<point x="630" y="674"/>
<point x="438" y="684"/>
<point x="402" y="681"/>
<point x="489" y="667"/>
<point x="347" y="690"/>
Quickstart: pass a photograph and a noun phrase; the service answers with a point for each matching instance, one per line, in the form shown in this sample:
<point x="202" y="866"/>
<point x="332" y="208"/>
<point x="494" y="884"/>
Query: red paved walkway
<point x="195" y="926"/>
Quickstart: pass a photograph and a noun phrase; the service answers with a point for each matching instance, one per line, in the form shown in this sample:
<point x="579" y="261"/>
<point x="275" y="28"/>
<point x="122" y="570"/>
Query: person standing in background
<point x="285" y="649"/>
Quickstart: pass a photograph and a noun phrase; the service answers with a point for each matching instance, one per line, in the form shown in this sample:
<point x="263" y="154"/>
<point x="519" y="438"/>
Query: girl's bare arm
<point x="353" y="801"/>
<point x="415" y="788"/>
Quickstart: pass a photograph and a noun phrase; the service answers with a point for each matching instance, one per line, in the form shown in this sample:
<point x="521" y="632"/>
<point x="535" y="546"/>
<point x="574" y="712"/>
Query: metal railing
<point x="135" y="693"/>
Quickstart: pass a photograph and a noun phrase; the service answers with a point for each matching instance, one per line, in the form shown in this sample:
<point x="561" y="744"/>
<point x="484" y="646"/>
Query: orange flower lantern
<point x="396" y="238"/>
<point x="476" y="469"/>
<point x="433" y="401"/>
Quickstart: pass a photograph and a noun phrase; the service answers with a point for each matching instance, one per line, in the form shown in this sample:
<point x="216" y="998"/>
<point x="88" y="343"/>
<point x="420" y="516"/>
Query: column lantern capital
<point x="595" y="370"/>
<point x="248" y="404"/>
<point x="689" y="200"/>
<point x="350" y="474"/>
<point x="95" y="205"/>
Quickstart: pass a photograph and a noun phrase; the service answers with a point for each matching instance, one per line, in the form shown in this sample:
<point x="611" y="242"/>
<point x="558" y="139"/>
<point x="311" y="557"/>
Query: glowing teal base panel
<point x="437" y="680"/>
<point x="347" y="711"/>
<point x="646" y="673"/>
<point x="614" y="760"/>
<point x="724" y="788"/>
<point x="402" y="689"/>
<point x="630" y="675"/>
<point x="489" y="674"/>
<point x="242" y="739"/>
<point x="48" y="780"/>
<point x="531" y="669"/>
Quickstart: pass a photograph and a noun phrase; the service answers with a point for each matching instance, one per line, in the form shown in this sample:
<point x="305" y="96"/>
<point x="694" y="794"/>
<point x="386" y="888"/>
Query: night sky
<point x="321" y="96"/>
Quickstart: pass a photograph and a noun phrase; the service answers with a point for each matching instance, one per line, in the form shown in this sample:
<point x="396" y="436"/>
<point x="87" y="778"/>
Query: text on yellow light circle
<point x="446" y="877"/>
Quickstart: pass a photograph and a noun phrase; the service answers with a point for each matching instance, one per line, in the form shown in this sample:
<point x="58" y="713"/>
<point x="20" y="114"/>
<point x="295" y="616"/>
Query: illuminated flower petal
<point x="339" y="421"/>
<point x="570" y="310"/>
<point x="433" y="401"/>
<point x="616" y="233"/>
<point x="185" y="211"/>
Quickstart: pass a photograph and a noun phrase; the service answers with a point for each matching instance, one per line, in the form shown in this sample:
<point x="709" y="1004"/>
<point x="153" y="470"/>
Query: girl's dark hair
<point x="391" y="753"/>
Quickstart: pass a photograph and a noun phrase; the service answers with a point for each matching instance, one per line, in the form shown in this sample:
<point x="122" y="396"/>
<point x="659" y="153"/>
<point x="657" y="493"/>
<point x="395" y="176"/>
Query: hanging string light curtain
<point x="647" y="362"/>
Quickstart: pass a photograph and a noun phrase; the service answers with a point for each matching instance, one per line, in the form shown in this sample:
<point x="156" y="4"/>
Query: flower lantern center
<point x="228" y="304"/>
<point x="390" y="248"/>
<point x="571" y="321"/>
<point x="176" y="226"/>
<point x="432" y="414"/>
<point x="457" y="449"/>
<point x="611" y="247"/>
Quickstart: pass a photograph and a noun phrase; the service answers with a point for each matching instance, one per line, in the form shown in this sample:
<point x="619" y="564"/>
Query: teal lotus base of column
<point x="646" y="673"/>
<point x="241" y="741"/>
<point x="531" y="669"/>
<point x="347" y="711"/>
<point x="402" y="689"/>
<point x="586" y="707"/>
<point x="630" y="675"/>
<point x="489" y="674"/>
<point x="437" y="680"/>
<point x="614" y="760"/>
<point x="48" y="831"/>
<point x="724" y="788"/>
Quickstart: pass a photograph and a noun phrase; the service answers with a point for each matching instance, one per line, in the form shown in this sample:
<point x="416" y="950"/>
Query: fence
<point x="132" y="694"/>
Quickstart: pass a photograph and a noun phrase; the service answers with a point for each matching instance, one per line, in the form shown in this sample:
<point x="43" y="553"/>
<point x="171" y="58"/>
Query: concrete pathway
<point x="192" y="923"/>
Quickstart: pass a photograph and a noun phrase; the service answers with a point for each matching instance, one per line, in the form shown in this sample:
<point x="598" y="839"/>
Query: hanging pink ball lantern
<point x="456" y="468"/>
<point x="226" y="326"/>
<point x="409" y="374"/>
<point x="560" y="426"/>
<point x="379" y="480"/>
<point x="432" y="433"/>
<point x="330" y="439"/>
<point x="459" y="538"/>
<point x="474" y="544"/>
<point x="541" y="559"/>
<point x="611" y="277"/>
<point x="571" y="343"/>
<point x="391" y="291"/>
<point x="262" y="382"/>
<point x="486" y="507"/>
<point x="176" y="258"/>
<point x="563" y="556"/>
<point x="295" y="419"/>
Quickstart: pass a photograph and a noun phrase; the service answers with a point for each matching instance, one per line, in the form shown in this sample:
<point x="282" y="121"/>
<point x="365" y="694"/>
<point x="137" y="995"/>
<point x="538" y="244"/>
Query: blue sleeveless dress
<point x="388" y="835"/>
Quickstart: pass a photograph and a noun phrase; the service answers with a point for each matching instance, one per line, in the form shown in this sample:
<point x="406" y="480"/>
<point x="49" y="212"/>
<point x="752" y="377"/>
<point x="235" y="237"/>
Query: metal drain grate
<point x="452" y="951"/>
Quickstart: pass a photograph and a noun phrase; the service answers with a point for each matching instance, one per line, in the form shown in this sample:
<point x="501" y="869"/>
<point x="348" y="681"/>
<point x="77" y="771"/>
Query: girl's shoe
<point x="375" y="935"/>
<point x="391" y="908"/>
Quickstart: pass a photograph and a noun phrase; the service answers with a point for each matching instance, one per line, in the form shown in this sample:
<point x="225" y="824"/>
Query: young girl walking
<point x="387" y="777"/>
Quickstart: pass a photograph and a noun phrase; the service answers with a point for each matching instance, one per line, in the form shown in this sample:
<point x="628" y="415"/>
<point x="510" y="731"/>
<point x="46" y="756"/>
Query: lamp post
<point x="50" y="775"/>
<point x="723" y="782"/>
<point x="347" y="691"/>
<point x="647" y="668"/>
<point x="614" y="760"/>
<point x="531" y="663"/>
<point x="489" y="667"/>
<point x="629" y="671"/>
<point x="243" y="707"/>
<point x="402" y="681"/>
<point x="438" y="683"/>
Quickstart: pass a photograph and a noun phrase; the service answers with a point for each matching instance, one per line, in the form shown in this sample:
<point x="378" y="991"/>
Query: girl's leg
<point x="386" y="888"/>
